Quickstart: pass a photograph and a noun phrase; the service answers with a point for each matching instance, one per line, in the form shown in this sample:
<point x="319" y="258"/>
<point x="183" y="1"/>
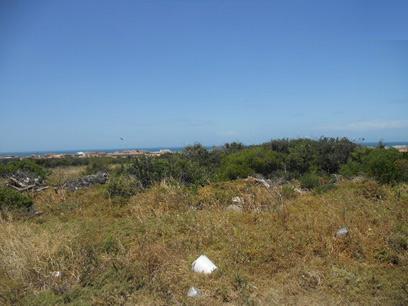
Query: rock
<point x="234" y="207"/>
<point x="237" y="200"/>
<point x="342" y="232"/>
<point x="193" y="292"/>
<point x="203" y="265"/>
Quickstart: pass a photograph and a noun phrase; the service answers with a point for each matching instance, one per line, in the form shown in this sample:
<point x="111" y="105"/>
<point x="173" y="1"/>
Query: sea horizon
<point x="152" y="149"/>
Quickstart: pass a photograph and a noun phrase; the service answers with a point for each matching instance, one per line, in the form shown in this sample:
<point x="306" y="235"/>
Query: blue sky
<point x="82" y="74"/>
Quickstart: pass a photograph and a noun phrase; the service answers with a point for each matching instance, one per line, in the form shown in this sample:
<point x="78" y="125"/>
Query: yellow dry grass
<point x="279" y="250"/>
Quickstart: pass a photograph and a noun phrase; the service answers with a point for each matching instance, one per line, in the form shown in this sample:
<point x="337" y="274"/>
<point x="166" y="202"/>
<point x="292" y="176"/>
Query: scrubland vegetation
<point x="132" y="241"/>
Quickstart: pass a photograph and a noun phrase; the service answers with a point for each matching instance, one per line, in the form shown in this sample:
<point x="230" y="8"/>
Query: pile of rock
<point x="86" y="181"/>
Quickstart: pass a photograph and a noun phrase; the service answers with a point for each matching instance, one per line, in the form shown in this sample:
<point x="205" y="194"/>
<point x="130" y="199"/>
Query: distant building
<point x="402" y="149"/>
<point x="164" y="151"/>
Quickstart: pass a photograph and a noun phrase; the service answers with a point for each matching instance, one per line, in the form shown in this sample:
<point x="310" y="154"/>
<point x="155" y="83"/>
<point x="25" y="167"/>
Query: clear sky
<point x="81" y="74"/>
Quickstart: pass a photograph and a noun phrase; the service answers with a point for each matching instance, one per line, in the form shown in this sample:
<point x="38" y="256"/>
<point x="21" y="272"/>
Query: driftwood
<point x="25" y="180"/>
<point x="21" y="189"/>
<point x="262" y="181"/>
<point x="86" y="181"/>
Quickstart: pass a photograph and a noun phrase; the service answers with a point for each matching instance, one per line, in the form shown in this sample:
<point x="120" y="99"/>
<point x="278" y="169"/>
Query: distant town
<point x="403" y="147"/>
<point x="88" y="154"/>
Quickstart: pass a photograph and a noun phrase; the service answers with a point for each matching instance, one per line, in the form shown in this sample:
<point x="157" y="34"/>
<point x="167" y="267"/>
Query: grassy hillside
<point x="281" y="249"/>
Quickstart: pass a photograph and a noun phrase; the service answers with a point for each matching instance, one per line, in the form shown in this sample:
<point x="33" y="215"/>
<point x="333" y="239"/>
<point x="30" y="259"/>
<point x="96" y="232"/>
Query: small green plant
<point x="13" y="200"/>
<point x="309" y="181"/>
<point x="123" y="186"/>
<point x="250" y="161"/>
<point x="324" y="188"/>
<point x="288" y="192"/>
<point x="25" y="165"/>
<point x="97" y="165"/>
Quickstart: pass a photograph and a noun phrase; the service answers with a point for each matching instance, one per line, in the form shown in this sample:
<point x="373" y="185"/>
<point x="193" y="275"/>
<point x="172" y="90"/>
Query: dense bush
<point x="249" y="161"/>
<point x="233" y="147"/>
<point x="306" y="155"/>
<point x="13" y="200"/>
<point x="149" y="170"/>
<point x="123" y="186"/>
<point x="279" y="145"/>
<point x="99" y="164"/>
<point x="309" y="181"/>
<point x="290" y="158"/>
<point x="385" y="165"/>
<point x="25" y="164"/>
<point x="197" y="165"/>
<point x="199" y="154"/>
<point x="333" y="153"/>
<point x="302" y="156"/>
<point x="401" y="166"/>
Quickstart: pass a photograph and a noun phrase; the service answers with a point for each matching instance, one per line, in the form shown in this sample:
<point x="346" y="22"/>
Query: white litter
<point x="342" y="232"/>
<point x="193" y="292"/>
<point x="56" y="274"/>
<point x="203" y="265"/>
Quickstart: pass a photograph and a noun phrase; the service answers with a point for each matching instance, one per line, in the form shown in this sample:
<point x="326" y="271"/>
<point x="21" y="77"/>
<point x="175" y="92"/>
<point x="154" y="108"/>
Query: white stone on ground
<point x="193" y="292"/>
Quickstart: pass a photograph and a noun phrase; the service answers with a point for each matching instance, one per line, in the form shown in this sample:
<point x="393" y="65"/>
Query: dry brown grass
<point x="277" y="251"/>
<point x="60" y="175"/>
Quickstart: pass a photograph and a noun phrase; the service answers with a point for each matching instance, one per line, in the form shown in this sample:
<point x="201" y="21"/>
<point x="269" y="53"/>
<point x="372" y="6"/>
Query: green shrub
<point x="381" y="165"/>
<point x="12" y="200"/>
<point x="384" y="165"/>
<point x="250" y="161"/>
<point x="233" y="147"/>
<point x="199" y="154"/>
<point x="146" y="170"/>
<point x="302" y="156"/>
<point x="332" y="153"/>
<point x="309" y="181"/>
<point x="26" y="165"/>
<point x="149" y="170"/>
<point x="98" y="164"/>
<point x="123" y="186"/>
<point x="401" y="167"/>
<point x="288" y="192"/>
<point x="324" y="188"/>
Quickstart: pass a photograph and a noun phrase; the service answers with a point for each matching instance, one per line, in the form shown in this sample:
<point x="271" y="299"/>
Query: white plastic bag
<point x="203" y="265"/>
